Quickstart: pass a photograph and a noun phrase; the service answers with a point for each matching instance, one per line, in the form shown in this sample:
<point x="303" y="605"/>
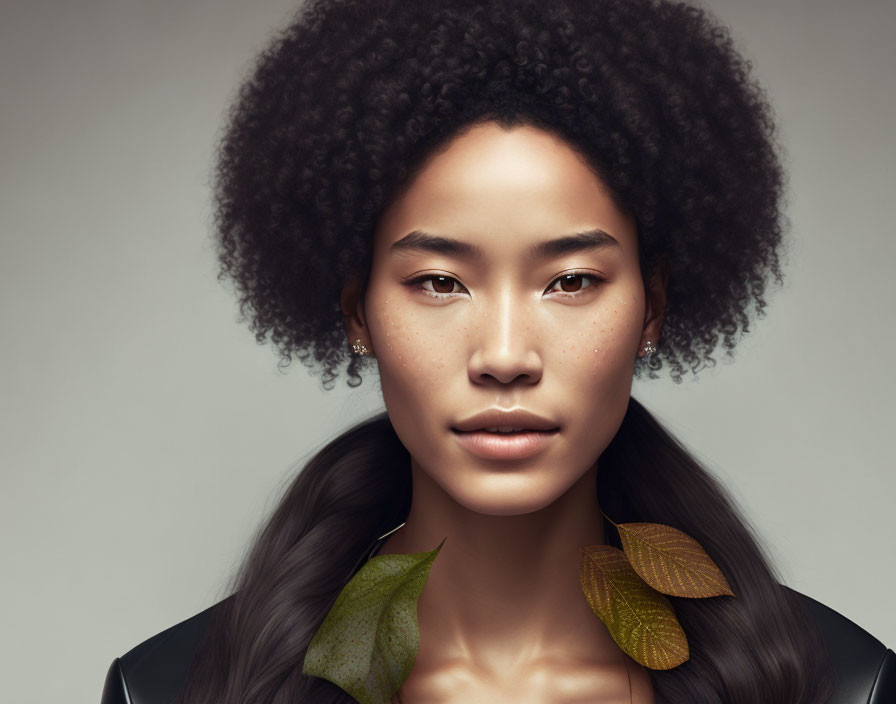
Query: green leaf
<point x="368" y="641"/>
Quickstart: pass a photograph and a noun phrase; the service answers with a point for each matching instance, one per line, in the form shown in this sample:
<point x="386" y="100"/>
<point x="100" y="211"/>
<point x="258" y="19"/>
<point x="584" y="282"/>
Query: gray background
<point x="144" y="435"/>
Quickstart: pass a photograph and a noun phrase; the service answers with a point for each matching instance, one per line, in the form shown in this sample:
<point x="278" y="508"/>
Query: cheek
<point x="407" y="340"/>
<point x="604" y="347"/>
<point x="595" y="368"/>
<point x="412" y="354"/>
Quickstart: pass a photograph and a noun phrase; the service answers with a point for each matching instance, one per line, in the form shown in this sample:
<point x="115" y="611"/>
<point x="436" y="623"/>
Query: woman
<point x="509" y="209"/>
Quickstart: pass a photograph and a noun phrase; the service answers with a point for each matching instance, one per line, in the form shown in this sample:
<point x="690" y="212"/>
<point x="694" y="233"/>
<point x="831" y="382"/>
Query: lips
<point x="505" y="446"/>
<point x="496" y="418"/>
<point x="505" y="435"/>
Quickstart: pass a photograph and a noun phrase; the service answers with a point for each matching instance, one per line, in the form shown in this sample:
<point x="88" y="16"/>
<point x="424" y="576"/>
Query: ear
<point x="354" y="319"/>
<point x="656" y="303"/>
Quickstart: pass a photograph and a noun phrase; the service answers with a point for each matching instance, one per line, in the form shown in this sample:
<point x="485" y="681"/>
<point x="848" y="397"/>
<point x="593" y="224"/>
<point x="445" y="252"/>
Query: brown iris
<point x="569" y="279"/>
<point x="442" y="281"/>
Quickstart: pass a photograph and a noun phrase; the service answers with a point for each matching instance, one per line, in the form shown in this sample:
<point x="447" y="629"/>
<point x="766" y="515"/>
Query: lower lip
<point x="509" y="446"/>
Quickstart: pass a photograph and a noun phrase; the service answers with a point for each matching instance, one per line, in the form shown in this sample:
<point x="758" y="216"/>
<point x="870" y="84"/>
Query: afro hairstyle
<point x="346" y="103"/>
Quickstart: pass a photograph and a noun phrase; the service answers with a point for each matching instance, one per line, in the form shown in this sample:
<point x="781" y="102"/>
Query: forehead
<point x="499" y="187"/>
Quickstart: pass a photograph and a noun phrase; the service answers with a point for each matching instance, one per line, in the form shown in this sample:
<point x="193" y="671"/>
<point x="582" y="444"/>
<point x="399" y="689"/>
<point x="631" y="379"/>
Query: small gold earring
<point x="359" y="348"/>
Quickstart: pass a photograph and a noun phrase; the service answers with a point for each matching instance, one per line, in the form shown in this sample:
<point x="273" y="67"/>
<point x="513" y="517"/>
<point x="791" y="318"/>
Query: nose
<point x="506" y="345"/>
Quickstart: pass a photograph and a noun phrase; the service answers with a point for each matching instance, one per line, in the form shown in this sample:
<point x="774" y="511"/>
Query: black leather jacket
<point x="154" y="671"/>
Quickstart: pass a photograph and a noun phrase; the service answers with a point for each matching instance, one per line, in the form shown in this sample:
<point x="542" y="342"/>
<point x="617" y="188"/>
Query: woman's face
<point x="504" y="278"/>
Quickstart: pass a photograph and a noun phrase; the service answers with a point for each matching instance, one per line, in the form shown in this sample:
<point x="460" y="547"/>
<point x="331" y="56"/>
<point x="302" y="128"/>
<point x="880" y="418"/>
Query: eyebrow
<point x="421" y="241"/>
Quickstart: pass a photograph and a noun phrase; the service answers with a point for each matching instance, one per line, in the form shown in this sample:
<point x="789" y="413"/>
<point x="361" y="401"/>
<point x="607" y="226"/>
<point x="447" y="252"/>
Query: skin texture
<point x="502" y="616"/>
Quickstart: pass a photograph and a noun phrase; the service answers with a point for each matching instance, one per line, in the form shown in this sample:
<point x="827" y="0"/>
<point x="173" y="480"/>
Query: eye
<point x="571" y="284"/>
<point x="440" y="286"/>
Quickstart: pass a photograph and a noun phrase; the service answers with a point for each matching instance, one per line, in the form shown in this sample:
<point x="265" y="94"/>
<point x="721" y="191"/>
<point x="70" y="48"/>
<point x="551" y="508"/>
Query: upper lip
<point x="495" y="417"/>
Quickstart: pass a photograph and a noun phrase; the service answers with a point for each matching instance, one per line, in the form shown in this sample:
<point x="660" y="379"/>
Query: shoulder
<point x="154" y="671"/>
<point x="865" y="667"/>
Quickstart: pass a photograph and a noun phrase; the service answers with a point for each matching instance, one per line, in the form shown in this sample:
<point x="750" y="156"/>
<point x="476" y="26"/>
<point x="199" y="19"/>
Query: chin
<point x="504" y="494"/>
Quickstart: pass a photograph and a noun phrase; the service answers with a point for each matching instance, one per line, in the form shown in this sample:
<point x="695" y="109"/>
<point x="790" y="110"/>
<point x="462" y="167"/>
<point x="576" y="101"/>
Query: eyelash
<point x="417" y="280"/>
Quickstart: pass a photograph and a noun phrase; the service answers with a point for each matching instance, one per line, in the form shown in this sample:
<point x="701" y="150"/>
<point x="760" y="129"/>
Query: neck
<point x="503" y="592"/>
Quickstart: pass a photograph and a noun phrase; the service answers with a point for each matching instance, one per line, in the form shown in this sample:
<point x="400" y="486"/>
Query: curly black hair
<point x="347" y="102"/>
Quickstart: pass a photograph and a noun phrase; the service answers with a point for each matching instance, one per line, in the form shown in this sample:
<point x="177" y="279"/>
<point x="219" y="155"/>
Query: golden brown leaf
<point x="671" y="561"/>
<point x="640" y="619"/>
